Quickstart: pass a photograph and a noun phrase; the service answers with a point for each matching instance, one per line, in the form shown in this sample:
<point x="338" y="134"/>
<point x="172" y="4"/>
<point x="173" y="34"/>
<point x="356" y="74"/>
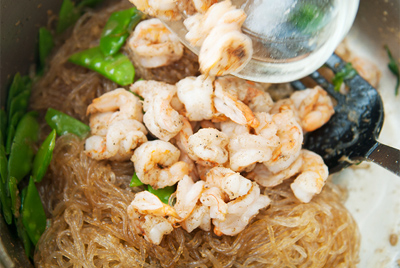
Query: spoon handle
<point x="385" y="156"/>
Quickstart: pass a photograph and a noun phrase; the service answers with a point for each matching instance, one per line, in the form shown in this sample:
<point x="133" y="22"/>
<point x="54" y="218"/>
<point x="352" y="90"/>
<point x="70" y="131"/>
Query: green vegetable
<point x="13" y="189"/>
<point x="5" y="203"/>
<point x="68" y="16"/>
<point x="22" y="149"/>
<point x="3" y="125"/>
<point x="64" y="123"/>
<point x="17" y="86"/>
<point x="46" y="44"/>
<point x="135" y="181"/>
<point x="307" y="17"/>
<point x="163" y="193"/>
<point x="43" y="157"/>
<point x="89" y="3"/>
<point x="347" y="72"/>
<point x="19" y="103"/>
<point x="22" y="233"/>
<point x="33" y="215"/>
<point x="117" y="29"/>
<point x="117" y="68"/>
<point x="394" y="68"/>
<point x="3" y="163"/>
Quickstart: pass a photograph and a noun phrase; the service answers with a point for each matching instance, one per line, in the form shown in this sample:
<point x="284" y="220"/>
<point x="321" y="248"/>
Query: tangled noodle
<point x="87" y="199"/>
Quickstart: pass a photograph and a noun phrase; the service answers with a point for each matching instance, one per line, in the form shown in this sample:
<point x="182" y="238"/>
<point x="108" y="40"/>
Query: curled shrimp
<point x="208" y="147"/>
<point x="122" y="138"/>
<point x="314" y="107"/>
<point x="154" y="44"/>
<point x="290" y="140"/>
<point x="166" y="9"/>
<point x="160" y="118"/>
<point x="227" y="103"/>
<point x="232" y="183"/>
<point x="196" y="94"/>
<point x="187" y="195"/>
<point x="156" y="163"/>
<point x="200" y="217"/>
<point x="313" y="175"/>
<point x="240" y="211"/>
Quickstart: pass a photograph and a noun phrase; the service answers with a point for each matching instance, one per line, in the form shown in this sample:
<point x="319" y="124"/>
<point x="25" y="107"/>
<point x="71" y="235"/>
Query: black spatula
<point x="350" y="135"/>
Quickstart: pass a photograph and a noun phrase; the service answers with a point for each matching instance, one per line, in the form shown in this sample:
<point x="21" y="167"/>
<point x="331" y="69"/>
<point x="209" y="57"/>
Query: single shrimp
<point x="250" y="93"/>
<point x="123" y="103"/>
<point x="200" y="217"/>
<point x="196" y="94"/>
<point x="232" y="183"/>
<point x="166" y="9"/>
<point x="241" y="211"/>
<point x="154" y="44"/>
<point x="121" y="139"/>
<point x="264" y="177"/>
<point x="290" y="140"/>
<point x="160" y="118"/>
<point x="187" y="195"/>
<point x="367" y="70"/>
<point x="312" y="178"/>
<point x="227" y="103"/>
<point x="156" y="163"/>
<point x="208" y="147"/>
<point x="314" y="107"/>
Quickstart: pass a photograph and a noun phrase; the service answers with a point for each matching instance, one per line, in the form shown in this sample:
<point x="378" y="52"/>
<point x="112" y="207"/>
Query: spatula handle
<point x="385" y="156"/>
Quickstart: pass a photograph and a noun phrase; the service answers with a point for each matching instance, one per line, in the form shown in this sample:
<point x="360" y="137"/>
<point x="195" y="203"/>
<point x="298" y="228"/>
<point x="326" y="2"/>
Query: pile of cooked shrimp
<point x="220" y="140"/>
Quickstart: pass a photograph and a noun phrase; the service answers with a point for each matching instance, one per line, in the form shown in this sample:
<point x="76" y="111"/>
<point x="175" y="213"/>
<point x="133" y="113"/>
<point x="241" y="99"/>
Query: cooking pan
<point x="373" y="193"/>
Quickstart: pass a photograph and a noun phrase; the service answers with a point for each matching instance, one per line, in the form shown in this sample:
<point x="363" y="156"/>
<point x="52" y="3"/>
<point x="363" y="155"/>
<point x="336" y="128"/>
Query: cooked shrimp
<point x="232" y="129"/>
<point x="248" y="149"/>
<point x="154" y="44"/>
<point x="250" y="93"/>
<point x="264" y="177"/>
<point x="200" y="25"/>
<point x="200" y="217"/>
<point x="367" y="70"/>
<point x="148" y="203"/>
<point x="100" y="122"/>
<point x="196" y="94"/>
<point x="241" y="211"/>
<point x="208" y="147"/>
<point x="214" y="198"/>
<point x="226" y="49"/>
<point x="160" y="118"/>
<point x="203" y="5"/>
<point x="314" y="107"/>
<point x="125" y="105"/>
<point x="166" y="9"/>
<point x="227" y="103"/>
<point x="312" y="178"/>
<point x="156" y="163"/>
<point x="187" y="195"/>
<point x="232" y="183"/>
<point x="121" y="139"/>
<point x="291" y="138"/>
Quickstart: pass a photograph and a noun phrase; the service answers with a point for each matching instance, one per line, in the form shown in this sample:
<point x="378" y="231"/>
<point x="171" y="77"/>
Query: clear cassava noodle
<point x="87" y="200"/>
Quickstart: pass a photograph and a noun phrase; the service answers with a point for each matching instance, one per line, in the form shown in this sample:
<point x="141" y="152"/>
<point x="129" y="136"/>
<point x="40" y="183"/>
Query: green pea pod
<point x="64" y="123"/>
<point x="5" y="203"/>
<point x="117" y="29"/>
<point x="17" y="86"/>
<point x="33" y="215"/>
<point x="3" y="163"/>
<point x="68" y="15"/>
<point x="163" y="193"/>
<point x="3" y="125"/>
<point x="89" y="3"/>
<point x="22" y="149"/>
<point x="11" y="129"/>
<point x="13" y="189"/>
<point x="135" y="181"/>
<point x="19" y="103"/>
<point x="117" y="68"/>
<point x="21" y="230"/>
<point x="43" y="157"/>
<point x="46" y="44"/>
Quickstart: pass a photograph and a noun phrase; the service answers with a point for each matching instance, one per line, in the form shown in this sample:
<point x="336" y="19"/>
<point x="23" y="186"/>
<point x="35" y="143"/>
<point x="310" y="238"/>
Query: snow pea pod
<point x="67" y="16"/>
<point x="18" y="85"/>
<point x="117" y="68"/>
<point x="12" y="126"/>
<point x="22" y="149"/>
<point x="33" y="215"/>
<point x="19" y="103"/>
<point x="43" y="157"/>
<point x="117" y="29"/>
<point x="46" y="44"/>
<point x="135" y="181"/>
<point x="13" y="189"/>
<point x="163" y="193"/>
<point x="64" y="123"/>
<point x="5" y="203"/>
